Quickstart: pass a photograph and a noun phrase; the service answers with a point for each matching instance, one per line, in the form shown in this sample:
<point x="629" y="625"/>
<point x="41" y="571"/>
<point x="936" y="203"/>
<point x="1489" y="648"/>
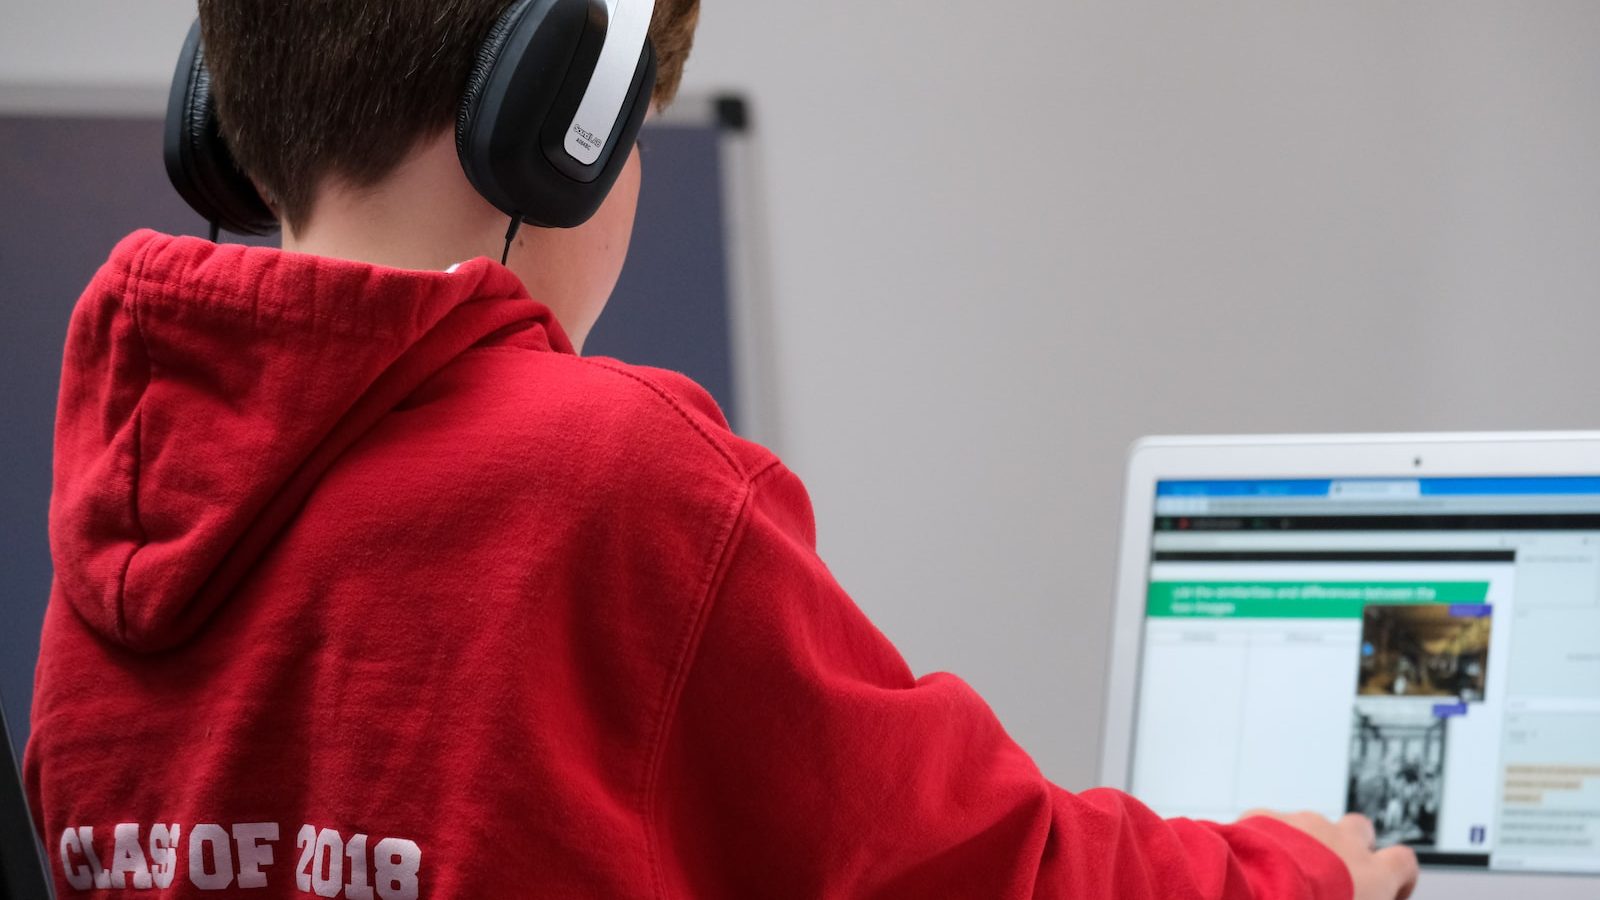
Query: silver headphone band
<point x="628" y="26"/>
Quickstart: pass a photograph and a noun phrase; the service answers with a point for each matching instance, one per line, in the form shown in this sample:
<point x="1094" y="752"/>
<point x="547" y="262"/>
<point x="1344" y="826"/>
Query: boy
<point x="369" y="586"/>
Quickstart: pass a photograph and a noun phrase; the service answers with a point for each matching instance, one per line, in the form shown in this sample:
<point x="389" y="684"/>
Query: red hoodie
<point x="366" y="586"/>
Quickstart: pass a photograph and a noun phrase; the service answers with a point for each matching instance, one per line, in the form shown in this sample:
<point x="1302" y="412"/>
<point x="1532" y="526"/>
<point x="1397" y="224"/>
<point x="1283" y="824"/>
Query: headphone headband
<point x="547" y="120"/>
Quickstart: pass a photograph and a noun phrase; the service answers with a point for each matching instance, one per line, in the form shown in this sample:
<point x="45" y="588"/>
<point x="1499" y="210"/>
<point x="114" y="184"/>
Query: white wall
<point x="1008" y="240"/>
<point x="91" y="42"/>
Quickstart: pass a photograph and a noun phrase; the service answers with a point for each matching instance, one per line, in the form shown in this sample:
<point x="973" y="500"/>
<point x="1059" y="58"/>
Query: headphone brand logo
<point x="586" y="138"/>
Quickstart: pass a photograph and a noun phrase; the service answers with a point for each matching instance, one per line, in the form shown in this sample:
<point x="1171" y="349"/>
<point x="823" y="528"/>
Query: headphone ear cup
<point x="482" y="67"/>
<point x="198" y="161"/>
<point x="531" y="73"/>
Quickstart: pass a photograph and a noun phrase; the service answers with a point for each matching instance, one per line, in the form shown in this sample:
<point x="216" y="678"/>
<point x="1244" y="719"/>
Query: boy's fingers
<point x="1402" y="863"/>
<point x="1361" y="827"/>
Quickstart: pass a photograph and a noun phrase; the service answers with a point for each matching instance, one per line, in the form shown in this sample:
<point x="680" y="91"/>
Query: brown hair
<point x="308" y="89"/>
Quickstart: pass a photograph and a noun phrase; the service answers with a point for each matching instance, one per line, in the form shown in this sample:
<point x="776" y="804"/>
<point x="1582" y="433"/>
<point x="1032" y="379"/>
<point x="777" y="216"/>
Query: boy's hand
<point x="1387" y="874"/>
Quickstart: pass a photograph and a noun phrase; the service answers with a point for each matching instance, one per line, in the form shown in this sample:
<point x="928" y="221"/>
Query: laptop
<point x="1405" y="626"/>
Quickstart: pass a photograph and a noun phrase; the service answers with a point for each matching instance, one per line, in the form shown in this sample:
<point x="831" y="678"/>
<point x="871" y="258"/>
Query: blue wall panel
<point x="71" y="188"/>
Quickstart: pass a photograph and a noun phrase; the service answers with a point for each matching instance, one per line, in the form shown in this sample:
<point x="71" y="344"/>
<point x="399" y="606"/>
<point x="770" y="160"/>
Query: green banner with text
<point x="1301" y="599"/>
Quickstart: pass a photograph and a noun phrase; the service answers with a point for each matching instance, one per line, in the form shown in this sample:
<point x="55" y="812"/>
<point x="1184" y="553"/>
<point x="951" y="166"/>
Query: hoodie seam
<point x="688" y="646"/>
<point x="136" y="451"/>
<point x="721" y="558"/>
<point x="678" y="407"/>
<point x="235" y="305"/>
<point x="693" y="420"/>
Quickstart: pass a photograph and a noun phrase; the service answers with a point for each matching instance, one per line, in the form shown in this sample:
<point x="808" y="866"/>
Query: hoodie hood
<point x="206" y="388"/>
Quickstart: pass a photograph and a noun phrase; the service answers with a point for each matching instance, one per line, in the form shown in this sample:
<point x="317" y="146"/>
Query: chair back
<point x="22" y="871"/>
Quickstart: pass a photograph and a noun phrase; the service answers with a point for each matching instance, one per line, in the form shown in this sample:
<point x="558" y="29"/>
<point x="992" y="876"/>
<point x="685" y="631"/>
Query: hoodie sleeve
<point x="803" y="759"/>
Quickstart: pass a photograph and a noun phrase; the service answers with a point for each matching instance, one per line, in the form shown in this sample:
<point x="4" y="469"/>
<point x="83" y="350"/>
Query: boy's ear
<point x="267" y="198"/>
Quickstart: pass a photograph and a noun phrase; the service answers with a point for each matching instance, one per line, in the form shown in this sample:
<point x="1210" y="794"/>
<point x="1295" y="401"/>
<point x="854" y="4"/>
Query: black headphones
<point x="549" y="116"/>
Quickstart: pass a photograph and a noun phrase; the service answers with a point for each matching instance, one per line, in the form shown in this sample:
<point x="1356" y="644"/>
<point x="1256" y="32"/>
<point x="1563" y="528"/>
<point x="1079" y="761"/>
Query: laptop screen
<point x="1423" y="651"/>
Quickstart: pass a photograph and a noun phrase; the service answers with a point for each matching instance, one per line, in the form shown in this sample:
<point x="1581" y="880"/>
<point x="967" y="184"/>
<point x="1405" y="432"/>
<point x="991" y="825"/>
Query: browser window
<point x="1423" y="651"/>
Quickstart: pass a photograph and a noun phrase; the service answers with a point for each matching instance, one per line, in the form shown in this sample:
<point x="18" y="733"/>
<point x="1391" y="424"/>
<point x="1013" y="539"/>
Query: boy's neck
<point x="426" y="215"/>
<point x="423" y="216"/>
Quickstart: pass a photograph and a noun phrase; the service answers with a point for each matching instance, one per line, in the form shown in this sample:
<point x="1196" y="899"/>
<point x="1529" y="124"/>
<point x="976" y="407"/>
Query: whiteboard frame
<point x="745" y="235"/>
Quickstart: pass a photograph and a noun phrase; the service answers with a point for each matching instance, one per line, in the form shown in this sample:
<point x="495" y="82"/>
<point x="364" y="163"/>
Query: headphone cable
<point x="511" y="235"/>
